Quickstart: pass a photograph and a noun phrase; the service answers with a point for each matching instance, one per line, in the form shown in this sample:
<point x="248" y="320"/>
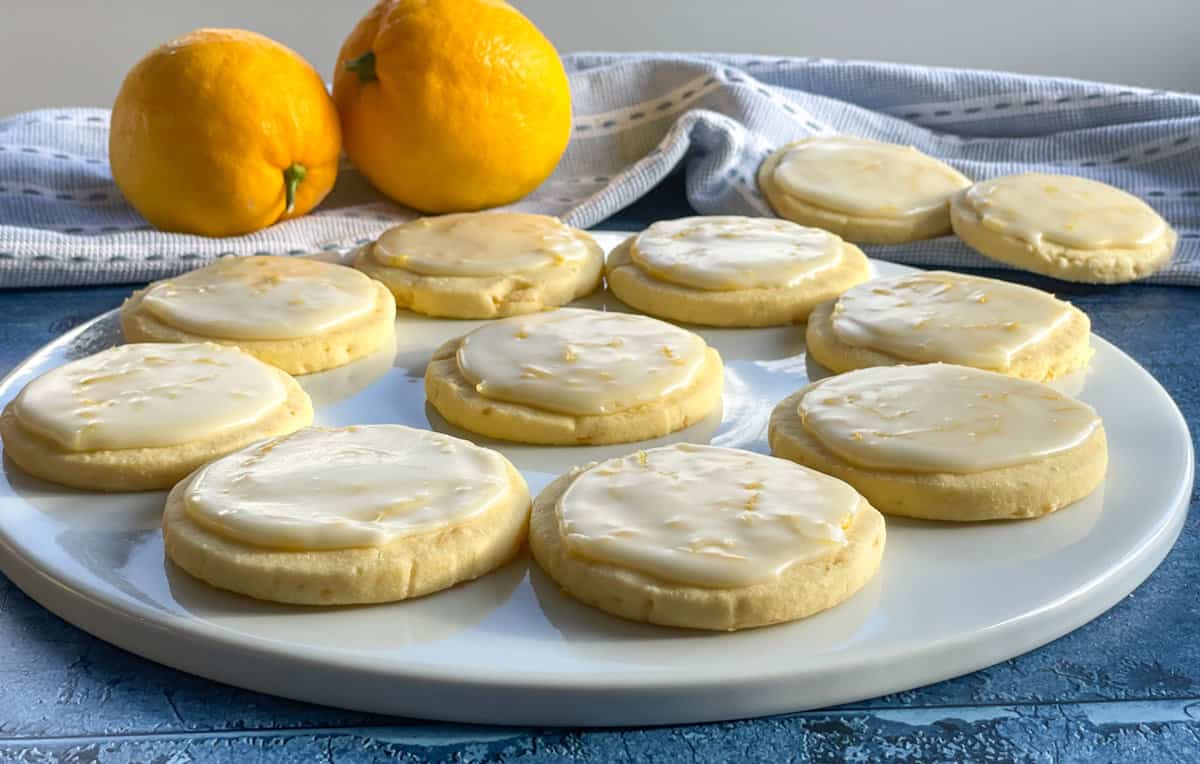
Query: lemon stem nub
<point x="291" y="179"/>
<point x="363" y="66"/>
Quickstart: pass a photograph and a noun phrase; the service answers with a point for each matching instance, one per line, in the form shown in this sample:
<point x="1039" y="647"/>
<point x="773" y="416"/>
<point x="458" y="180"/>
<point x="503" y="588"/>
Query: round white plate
<point x="511" y="648"/>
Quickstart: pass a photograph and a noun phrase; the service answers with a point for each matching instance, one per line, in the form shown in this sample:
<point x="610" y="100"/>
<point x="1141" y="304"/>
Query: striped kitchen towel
<point x="638" y="117"/>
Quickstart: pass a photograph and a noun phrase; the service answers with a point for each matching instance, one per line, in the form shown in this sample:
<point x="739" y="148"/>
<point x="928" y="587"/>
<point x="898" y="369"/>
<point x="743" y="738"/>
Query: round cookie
<point x="575" y="377"/>
<point x="140" y="417"/>
<point x="705" y="538"/>
<point x="945" y="442"/>
<point x="864" y="191"/>
<point x="298" y="314"/>
<point x="939" y="316"/>
<point x="1070" y="228"/>
<point x="345" y="516"/>
<point x="732" y="271"/>
<point x="484" y="264"/>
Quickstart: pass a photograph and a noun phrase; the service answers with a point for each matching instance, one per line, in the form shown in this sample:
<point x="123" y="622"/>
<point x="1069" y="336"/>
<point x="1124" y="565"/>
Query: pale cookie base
<point x="1063" y="351"/>
<point x="143" y="469"/>
<point x="860" y="229"/>
<point x="743" y="307"/>
<point x="1007" y="493"/>
<point x="301" y="355"/>
<point x="803" y="589"/>
<point x="408" y="567"/>
<point x="456" y="399"/>
<point x="1099" y="266"/>
<point x="488" y="296"/>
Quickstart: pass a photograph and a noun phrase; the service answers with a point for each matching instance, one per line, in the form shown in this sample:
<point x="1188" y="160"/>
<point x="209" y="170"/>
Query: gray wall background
<point x="75" y="52"/>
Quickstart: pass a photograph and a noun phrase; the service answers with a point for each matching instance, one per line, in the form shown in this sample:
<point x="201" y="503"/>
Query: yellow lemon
<point x="452" y="105"/>
<point x="222" y="132"/>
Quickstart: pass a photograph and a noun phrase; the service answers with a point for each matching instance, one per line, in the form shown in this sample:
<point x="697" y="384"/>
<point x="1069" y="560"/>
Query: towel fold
<point x="638" y="117"/>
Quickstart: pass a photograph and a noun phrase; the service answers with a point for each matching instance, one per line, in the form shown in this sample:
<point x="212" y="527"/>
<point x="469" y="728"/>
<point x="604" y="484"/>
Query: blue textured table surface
<point x="1125" y="687"/>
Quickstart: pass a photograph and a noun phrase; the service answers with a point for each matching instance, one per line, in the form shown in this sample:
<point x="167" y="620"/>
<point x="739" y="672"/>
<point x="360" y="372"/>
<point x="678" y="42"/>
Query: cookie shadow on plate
<point x="342" y="382"/>
<point x="372" y="626"/>
<point x="588" y="629"/>
<point x="555" y="460"/>
<point x="997" y="542"/>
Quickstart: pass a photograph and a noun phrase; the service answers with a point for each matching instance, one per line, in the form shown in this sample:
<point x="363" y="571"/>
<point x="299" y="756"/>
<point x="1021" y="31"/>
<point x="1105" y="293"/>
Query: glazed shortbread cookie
<point x="705" y="538"/>
<point x="484" y="264"/>
<point x="353" y="515"/>
<point x="945" y="442"/>
<point x="733" y="271"/>
<point x="140" y="417"/>
<point x="298" y="314"/>
<point x="573" y="376"/>
<point x="862" y="190"/>
<point x="1070" y="228"/>
<point x="951" y="318"/>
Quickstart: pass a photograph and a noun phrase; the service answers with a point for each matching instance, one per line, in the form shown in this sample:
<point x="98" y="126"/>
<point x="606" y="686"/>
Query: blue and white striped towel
<point x="62" y="221"/>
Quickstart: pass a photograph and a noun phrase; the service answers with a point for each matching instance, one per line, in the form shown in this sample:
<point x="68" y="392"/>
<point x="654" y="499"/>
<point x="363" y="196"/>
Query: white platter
<point x="510" y="648"/>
